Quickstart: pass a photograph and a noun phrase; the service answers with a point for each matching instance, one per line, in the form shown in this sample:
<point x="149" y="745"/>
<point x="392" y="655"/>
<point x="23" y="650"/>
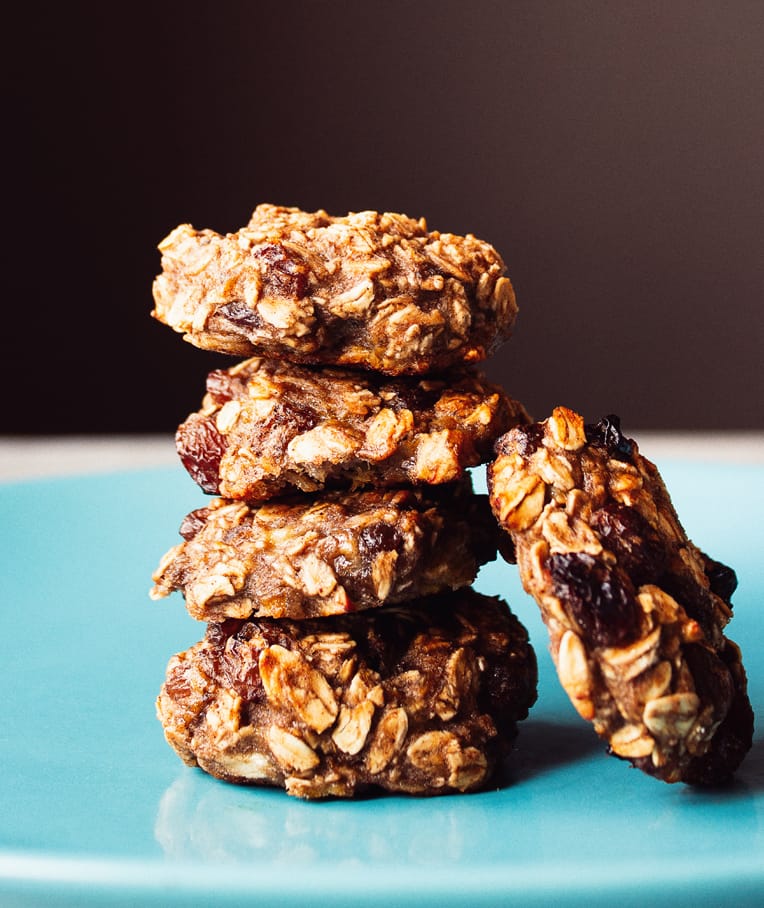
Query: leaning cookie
<point x="321" y="555"/>
<point x="268" y="427"/>
<point x="378" y="291"/>
<point x="422" y="699"/>
<point x="634" y="610"/>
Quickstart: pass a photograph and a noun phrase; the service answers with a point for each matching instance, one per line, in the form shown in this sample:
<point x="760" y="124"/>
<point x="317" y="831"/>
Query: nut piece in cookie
<point x="377" y="291"/>
<point x="422" y="698"/>
<point x="635" y="612"/>
<point x="322" y="555"/>
<point x="268" y="427"/>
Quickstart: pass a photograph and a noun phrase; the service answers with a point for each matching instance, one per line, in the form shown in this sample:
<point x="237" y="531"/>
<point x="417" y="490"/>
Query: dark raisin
<point x="723" y="579"/>
<point x="272" y="632"/>
<point x="429" y="269"/>
<point x="636" y="545"/>
<point x="694" y="599"/>
<point x="600" y="599"/>
<point x="607" y="434"/>
<point x="177" y="683"/>
<point x="506" y="548"/>
<point x="193" y="522"/>
<point x="712" y="678"/>
<point x="485" y="534"/>
<point x="286" y="420"/>
<point x="288" y="274"/>
<point x="241" y="672"/>
<point x="201" y="447"/>
<point x="228" y="659"/>
<point x="241" y="315"/>
<point x="528" y="438"/>
<point x="383" y="642"/>
<point x="222" y="386"/>
<point x="734" y="737"/>
<point x="503" y="683"/>
<point x="376" y="538"/>
<point x="291" y="418"/>
<point x="415" y="397"/>
<point x="218" y="633"/>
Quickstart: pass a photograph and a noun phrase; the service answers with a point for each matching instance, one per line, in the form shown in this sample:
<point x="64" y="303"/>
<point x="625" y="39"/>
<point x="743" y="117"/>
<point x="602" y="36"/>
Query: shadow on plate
<point x="544" y="746"/>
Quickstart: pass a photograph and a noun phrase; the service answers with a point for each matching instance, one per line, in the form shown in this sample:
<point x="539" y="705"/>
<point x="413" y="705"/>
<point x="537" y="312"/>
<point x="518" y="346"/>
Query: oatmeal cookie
<point x="378" y="291"/>
<point x="320" y="555"/>
<point x="268" y="427"/>
<point x="421" y="699"/>
<point x="635" y="612"/>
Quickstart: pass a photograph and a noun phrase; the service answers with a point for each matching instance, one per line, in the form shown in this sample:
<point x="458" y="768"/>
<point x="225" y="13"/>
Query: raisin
<point x="177" y="683"/>
<point x="222" y="386"/>
<point x="600" y="599"/>
<point x="379" y="537"/>
<point x="223" y="660"/>
<point x="242" y="316"/>
<point x="291" y="418"/>
<point x="193" y="522"/>
<point x="217" y="634"/>
<point x="607" y="434"/>
<point x="528" y="438"/>
<point x="241" y="673"/>
<point x="486" y="536"/>
<point x="636" y="545"/>
<point x="201" y="448"/>
<point x="712" y="678"/>
<point x="383" y="642"/>
<point x="503" y="683"/>
<point x="506" y="548"/>
<point x="415" y="397"/>
<point x="734" y="737"/>
<point x="272" y="632"/>
<point x="356" y="575"/>
<point x="286" y="420"/>
<point x="723" y="579"/>
<point x="288" y="274"/>
<point x="694" y="599"/>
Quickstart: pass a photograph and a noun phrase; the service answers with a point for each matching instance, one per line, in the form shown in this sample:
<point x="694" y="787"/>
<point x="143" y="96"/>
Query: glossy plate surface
<point x="96" y="809"/>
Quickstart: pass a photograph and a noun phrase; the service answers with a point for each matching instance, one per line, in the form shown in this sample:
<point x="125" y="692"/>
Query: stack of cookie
<point x="345" y="648"/>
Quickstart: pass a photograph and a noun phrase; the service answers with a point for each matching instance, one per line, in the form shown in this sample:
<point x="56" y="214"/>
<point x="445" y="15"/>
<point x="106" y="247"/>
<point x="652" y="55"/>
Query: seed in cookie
<point x="377" y="291"/>
<point x="320" y="555"/>
<point x="268" y="427"/>
<point x="422" y="698"/>
<point x="635" y="611"/>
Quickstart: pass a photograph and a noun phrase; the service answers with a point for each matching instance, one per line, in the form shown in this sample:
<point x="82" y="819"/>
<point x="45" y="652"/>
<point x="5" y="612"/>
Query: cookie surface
<point x="378" y="291"/>
<point x="635" y="612"/>
<point x="327" y="554"/>
<point x="267" y="427"/>
<point x="422" y="698"/>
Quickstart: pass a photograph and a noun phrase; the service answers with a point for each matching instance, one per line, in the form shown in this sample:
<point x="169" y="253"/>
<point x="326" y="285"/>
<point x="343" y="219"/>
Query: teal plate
<point x="95" y="809"/>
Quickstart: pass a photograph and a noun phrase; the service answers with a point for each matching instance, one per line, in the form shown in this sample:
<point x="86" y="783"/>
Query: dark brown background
<point x="611" y="151"/>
